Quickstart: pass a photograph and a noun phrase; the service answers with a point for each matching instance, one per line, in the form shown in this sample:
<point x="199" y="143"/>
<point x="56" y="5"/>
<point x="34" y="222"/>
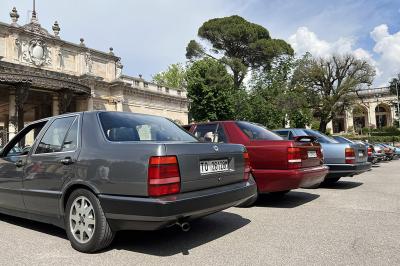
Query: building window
<point x="167" y="90"/>
<point x="146" y="85"/>
<point x="136" y="83"/>
<point x="179" y="93"/>
<point x="159" y="88"/>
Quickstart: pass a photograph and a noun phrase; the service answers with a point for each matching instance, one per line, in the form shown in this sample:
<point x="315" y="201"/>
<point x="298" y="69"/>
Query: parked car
<point x="393" y="151"/>
<point x="380" y="153"/>
<point x="278" y="165"/>
<point x="372" y="157"/>
<point x="389" y="153"/>
<point x="343" y="159"/>
<point x="94" y="173"/>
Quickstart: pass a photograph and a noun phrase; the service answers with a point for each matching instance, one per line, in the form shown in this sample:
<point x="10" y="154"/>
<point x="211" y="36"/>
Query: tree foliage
<point x="239" y="44"/>
<point x="277" y="101"/>
<point x="173" y="77"/>
<point x="330" y="84"/>
<point x="392" y="85"/>
<point x="209" y="88"/>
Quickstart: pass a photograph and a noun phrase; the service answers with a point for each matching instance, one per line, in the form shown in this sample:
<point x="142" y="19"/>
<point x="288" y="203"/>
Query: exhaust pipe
<point x="185" y="226"/>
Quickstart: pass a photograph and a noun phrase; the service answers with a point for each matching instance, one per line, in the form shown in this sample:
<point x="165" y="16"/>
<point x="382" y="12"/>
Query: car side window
<point x="71" y="140"/>
<point x="220" y="136"/>
<point x="206" y="132"/>
<point x="283" y="133"/>
<point x="23" y="142"/>
<point x="53" y="139"/>
<point x="290" y="137"/>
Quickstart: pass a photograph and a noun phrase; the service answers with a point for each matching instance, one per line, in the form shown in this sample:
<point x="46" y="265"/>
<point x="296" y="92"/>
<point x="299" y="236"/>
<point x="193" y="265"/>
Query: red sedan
<point x="278" y="165"/>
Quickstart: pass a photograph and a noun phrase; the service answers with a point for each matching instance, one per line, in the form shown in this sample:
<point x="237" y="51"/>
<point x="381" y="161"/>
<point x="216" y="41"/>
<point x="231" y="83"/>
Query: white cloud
<point x="305" y="40"/>
<point x="387" y="47"/>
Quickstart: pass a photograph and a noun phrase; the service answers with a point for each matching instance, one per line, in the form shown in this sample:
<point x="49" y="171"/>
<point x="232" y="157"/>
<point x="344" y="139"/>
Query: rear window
<point x="257" y="132"/>
<point x="320" y="137"/>
<point x="136" y="127"/>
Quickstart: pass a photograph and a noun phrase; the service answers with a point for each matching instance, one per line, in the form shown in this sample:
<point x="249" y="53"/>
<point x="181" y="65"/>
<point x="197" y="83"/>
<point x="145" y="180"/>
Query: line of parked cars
<point x="95" y="173"/>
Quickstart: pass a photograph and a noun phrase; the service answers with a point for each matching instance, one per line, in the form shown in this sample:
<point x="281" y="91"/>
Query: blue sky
<point x="149" y="35"/>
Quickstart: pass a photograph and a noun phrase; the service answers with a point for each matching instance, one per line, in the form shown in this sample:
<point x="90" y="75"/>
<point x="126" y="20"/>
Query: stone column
<point x="371" y="114"/>
<point x="329" y="127"/>
<point x="12" y="111"/>
<point x="119" y="105"/>
<point x="55" y="105"/>
<point x="349" y="121"/>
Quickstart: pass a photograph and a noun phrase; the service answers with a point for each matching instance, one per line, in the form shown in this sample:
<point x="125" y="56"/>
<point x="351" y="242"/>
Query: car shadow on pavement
<point x="290" y="200"/>
<point x="33" y="225"/>
<point x="173" y="240"/>
<point x="342" y="185"/>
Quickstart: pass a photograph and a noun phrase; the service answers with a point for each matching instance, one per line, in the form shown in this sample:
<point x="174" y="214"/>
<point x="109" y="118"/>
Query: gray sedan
<point x="343" y="159"/>
<point x="95" y="173"/>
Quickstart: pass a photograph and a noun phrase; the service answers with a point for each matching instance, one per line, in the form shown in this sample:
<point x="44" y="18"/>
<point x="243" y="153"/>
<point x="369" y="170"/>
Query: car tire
<point x="248" y="203"/>
<point x="85" y="222"/>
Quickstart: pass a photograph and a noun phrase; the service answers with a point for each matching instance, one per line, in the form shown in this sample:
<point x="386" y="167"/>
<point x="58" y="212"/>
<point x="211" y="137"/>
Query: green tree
<point x="330" y="84"/>
<point x="209" y="88"/>
<point x="277" y="101"/>
<point x="173" y="77"/>
<point x="238" y="44"/>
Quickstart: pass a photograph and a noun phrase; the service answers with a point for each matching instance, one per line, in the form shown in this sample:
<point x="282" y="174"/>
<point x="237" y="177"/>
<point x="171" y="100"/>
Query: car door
<point x="12" y="160"/>
<point x="50" y="165"/>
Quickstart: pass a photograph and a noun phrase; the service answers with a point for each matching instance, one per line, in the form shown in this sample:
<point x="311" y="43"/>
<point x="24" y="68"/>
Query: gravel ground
<point x="355" y="221"/>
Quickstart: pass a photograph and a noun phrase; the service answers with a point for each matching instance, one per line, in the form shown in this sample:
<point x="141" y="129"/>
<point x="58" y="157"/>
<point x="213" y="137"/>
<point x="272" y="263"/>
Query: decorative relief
<point x="35" y="52"/>
<point x="88" y="63"/>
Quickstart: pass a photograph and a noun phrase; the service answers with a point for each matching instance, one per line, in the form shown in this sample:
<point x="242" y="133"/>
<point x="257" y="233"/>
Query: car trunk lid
<point x="206" y="165"/>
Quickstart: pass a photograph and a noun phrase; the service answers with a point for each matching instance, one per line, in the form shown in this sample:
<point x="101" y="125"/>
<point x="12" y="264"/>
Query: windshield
<point x="320" y="137"/>
<point x="257" y="132"/>
<point x="118" y="126"/>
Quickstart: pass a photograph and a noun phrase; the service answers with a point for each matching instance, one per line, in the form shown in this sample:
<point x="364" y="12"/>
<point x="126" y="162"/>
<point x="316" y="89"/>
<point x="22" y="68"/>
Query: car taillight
<point x="247" y="167"/>
<point x="320" y="155"/>
<point x="350" y="155"/>
<point x="163" y="176"/>
<point x="294" y="158"/>
<point x="369" y="151"/>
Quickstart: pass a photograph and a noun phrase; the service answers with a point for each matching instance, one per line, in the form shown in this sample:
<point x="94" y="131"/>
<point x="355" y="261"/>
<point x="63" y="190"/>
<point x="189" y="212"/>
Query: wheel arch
<point x="72" y="187"/>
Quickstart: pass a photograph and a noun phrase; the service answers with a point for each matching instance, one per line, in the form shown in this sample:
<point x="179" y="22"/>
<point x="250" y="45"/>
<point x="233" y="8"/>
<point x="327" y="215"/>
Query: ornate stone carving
<point x="118" y="69"/>
<point x="56" y="29"/>
<point x="38" y="53"/>
<point x="14" y="16"/>
<point x="88" y="63"/>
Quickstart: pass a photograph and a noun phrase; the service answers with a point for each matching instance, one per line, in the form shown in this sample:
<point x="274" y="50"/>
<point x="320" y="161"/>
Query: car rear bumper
<point x="342" y="170"/>
<point x="282" y="180"/>
<point x="133" y="213"/>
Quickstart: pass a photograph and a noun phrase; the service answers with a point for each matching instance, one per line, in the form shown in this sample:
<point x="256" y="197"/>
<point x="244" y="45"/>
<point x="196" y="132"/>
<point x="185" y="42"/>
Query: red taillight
<point x="350" y="155"/>
<point x="294" y="158"/>
<point x="320" y="155"/>
<point x="163" y="176"/>
<point x="369" y="151"/>
<point x="247" y="167"/>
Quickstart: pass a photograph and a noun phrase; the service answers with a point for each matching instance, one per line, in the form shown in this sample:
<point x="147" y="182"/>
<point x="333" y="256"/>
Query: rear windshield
<point x="136" y="127"/>
<point x="257" y="132"/>
<point x="320" y="137"/>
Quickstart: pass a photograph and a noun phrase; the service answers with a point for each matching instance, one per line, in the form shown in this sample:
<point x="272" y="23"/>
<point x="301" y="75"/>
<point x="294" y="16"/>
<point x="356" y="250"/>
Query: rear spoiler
<point x="305" y="139"/>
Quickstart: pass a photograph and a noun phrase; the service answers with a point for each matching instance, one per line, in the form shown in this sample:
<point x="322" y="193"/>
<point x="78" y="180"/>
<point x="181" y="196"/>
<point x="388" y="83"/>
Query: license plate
<point x="214" y="166"/>
<point x="360" y="154"/>
<point x="312" y="154"/>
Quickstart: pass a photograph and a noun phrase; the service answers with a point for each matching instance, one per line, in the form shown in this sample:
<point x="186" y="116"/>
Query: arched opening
<point x="339" y="123"/>
<point x="382" y="114"/>
<point x="360" y="118"/>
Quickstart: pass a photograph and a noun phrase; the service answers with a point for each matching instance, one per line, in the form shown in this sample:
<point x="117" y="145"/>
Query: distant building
<point x="376" y="108"/>
<point x="42" y="75"/>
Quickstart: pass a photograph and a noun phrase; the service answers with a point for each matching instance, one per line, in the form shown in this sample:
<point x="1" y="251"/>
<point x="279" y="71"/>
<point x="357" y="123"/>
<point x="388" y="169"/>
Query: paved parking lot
<point x="356" y="221"/>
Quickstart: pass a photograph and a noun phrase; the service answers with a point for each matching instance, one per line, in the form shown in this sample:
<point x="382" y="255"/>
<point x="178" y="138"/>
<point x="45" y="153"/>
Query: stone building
<point x="42" y="75"/>
<point x="376" y="108"/>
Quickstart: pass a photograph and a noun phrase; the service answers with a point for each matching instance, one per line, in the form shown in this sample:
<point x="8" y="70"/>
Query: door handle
<point x="67" y="161"/>
<point x="19" y="163"/>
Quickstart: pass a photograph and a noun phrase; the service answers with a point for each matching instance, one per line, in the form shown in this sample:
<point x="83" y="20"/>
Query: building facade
<point x="376" y="108"/>
<point x="42" y="75"/>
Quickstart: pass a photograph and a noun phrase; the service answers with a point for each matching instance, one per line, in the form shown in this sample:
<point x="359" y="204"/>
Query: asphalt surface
<point x="356" y="221"/>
